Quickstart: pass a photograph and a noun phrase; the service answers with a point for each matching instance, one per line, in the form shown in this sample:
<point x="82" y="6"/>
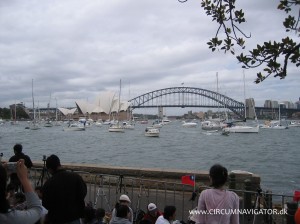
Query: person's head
<point x="152" y="209"/>
<point x="100" y="213"/>
<point x="124" y="200"/>
<point x="53" y="163"/>
<point x="18" y="148"/>
<point x="89" y="214"/>
<point x="218" y="175"/>
<point x="4" y="205"/>
<point x="122" y="211"/>
<point x="170" y="212"/>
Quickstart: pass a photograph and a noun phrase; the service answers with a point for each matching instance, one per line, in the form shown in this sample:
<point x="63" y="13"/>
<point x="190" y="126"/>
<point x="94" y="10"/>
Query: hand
<point x="22" y="171"/>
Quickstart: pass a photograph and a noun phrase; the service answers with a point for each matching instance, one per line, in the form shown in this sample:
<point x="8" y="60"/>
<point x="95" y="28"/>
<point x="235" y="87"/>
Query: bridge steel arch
<point x="182" y="93"/>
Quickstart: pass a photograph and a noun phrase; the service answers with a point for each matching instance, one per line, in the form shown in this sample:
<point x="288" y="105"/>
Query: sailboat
<point x="34" y="125"/>
<point x="14" y="115"/>
<point x="214" y="124"/>
<point x="275" y="124"/>
<point x="48" y="123"/>
<point x="57" y="123"/>
<point x="117" y="127"/>
<point x="241" y="126"/>
<point x="129" y="124"/>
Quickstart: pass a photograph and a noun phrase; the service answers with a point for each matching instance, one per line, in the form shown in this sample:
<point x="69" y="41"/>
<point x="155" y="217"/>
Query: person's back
<point x="15" y="158"/>
<point x="63" y="194"/>
<point x="218" y="200"/>
<point x="122" y="215"/>
<point x="20" y="155"/>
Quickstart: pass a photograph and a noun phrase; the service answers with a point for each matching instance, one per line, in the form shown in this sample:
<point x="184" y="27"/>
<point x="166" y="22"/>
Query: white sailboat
<point x="117" y="127"/>
<point x="34" y="125"/>
<point x="129" y="124"/>
<point x="241" y="127"/>
<point x="214" y="124"/>
<point x="276" y="125"/>
<point x="57" y="123"/>
<point x="14" y="116"/>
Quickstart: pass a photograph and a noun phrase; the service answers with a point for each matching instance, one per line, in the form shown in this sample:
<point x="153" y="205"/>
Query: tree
<point x="273" y="56"/>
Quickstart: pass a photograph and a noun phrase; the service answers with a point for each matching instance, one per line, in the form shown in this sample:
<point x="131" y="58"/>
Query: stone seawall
<point x="236" y="179"/>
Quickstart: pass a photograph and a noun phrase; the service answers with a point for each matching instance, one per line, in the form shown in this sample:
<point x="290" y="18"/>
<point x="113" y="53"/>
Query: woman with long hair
<point x="218" y="203"/>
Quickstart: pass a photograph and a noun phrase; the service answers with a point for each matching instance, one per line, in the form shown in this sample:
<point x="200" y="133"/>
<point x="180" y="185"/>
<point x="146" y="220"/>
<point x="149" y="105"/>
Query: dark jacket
<point x="19" y="156"/>
<point x="28" y="163"/>
<point x="63" y="196"/>
<point x="152" y="219"/>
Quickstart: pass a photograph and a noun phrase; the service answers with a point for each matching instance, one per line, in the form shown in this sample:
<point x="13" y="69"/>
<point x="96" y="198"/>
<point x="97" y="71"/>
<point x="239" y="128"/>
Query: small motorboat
<point x="152" y="132"/>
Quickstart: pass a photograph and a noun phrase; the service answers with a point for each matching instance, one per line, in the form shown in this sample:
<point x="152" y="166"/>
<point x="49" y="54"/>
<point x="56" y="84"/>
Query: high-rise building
<point x="250" y="108"/>
<point x="298" y="104"/>
<point x="268" y="104"/>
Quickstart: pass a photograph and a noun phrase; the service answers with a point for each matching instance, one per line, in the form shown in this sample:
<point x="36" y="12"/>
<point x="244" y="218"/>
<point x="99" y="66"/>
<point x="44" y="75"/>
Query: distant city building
<point x="250" y="108"/>
<point x="268" y="104"/>
<point x="275" y="104"/>
<point x="298" y="104"/>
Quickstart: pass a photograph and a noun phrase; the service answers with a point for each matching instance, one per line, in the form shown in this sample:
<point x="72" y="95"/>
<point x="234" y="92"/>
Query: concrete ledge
<point x="172" y="175"/>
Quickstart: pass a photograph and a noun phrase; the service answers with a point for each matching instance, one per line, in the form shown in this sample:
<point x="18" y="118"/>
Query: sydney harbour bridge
<point x="184" y="97"/>
<point x="195" y="97"/>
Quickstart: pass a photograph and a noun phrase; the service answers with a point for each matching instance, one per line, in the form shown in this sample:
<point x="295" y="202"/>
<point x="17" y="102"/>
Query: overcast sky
<point x="75" y="49"/>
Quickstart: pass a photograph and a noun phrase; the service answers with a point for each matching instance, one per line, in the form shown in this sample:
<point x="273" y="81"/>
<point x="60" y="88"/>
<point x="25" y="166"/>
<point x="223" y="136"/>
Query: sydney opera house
<point x="106" y="106"/>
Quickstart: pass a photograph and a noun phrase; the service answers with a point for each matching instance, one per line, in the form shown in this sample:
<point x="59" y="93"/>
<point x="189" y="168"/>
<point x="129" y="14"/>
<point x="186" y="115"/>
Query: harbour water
<point x="272" y="154"/>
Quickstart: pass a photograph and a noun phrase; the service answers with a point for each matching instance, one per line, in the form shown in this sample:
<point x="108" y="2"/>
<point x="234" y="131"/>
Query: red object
<point x="188" y="179"/>
<point x="297" y="216"/>
<point x="297" y="196"/>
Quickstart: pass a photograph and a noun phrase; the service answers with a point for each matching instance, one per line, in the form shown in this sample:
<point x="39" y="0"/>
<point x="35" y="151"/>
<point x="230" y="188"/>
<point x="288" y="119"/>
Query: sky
<point x="75" y="49"/>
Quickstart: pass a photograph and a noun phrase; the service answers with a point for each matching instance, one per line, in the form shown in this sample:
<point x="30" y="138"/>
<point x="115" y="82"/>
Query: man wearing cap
<point x="123" y="200"/>
<point x="152" y="214"/>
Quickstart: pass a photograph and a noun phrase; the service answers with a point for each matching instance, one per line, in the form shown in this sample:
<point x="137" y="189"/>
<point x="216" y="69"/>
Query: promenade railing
<point x="104" y="191"/>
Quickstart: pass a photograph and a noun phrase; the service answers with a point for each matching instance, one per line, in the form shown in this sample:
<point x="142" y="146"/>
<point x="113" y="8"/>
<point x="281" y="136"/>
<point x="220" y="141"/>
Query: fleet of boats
<point x="208" y="127"/>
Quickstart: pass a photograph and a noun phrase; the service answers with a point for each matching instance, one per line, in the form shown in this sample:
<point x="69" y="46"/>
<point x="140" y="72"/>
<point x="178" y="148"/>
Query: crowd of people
<point x="61" y="200"/>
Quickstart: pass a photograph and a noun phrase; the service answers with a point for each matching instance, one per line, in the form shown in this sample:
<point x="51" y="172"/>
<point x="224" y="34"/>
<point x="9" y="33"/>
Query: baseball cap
<point x="151" y="207"/>
<point x="124" y="197"/>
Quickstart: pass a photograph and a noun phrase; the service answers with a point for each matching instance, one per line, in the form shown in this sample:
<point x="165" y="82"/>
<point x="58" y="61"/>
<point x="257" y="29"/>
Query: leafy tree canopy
<point x="273" y="56"/>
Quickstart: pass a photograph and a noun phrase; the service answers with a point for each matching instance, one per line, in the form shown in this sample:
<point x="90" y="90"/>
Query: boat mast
<point x="119" y="102"/>
<point x="56" y="110"/>
<point x="218" y="93"/>
<point x="245" y="114"/>
<point x="32" y="100"/>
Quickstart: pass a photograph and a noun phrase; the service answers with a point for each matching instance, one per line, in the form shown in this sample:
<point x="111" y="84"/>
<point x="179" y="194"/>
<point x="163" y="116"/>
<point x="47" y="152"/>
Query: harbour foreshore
<point x="236" y="179"/>
<point x="161" y="186"/>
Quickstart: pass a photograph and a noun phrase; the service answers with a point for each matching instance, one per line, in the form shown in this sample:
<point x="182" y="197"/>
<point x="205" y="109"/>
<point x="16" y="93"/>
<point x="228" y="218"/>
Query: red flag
<point x="297" y="196"/>
<point x="188" y="179"/>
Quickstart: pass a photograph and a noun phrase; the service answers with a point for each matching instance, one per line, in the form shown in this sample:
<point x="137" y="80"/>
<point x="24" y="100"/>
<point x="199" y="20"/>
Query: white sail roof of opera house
<point x="106" y="102"/>
<point x="66" y="111"/>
